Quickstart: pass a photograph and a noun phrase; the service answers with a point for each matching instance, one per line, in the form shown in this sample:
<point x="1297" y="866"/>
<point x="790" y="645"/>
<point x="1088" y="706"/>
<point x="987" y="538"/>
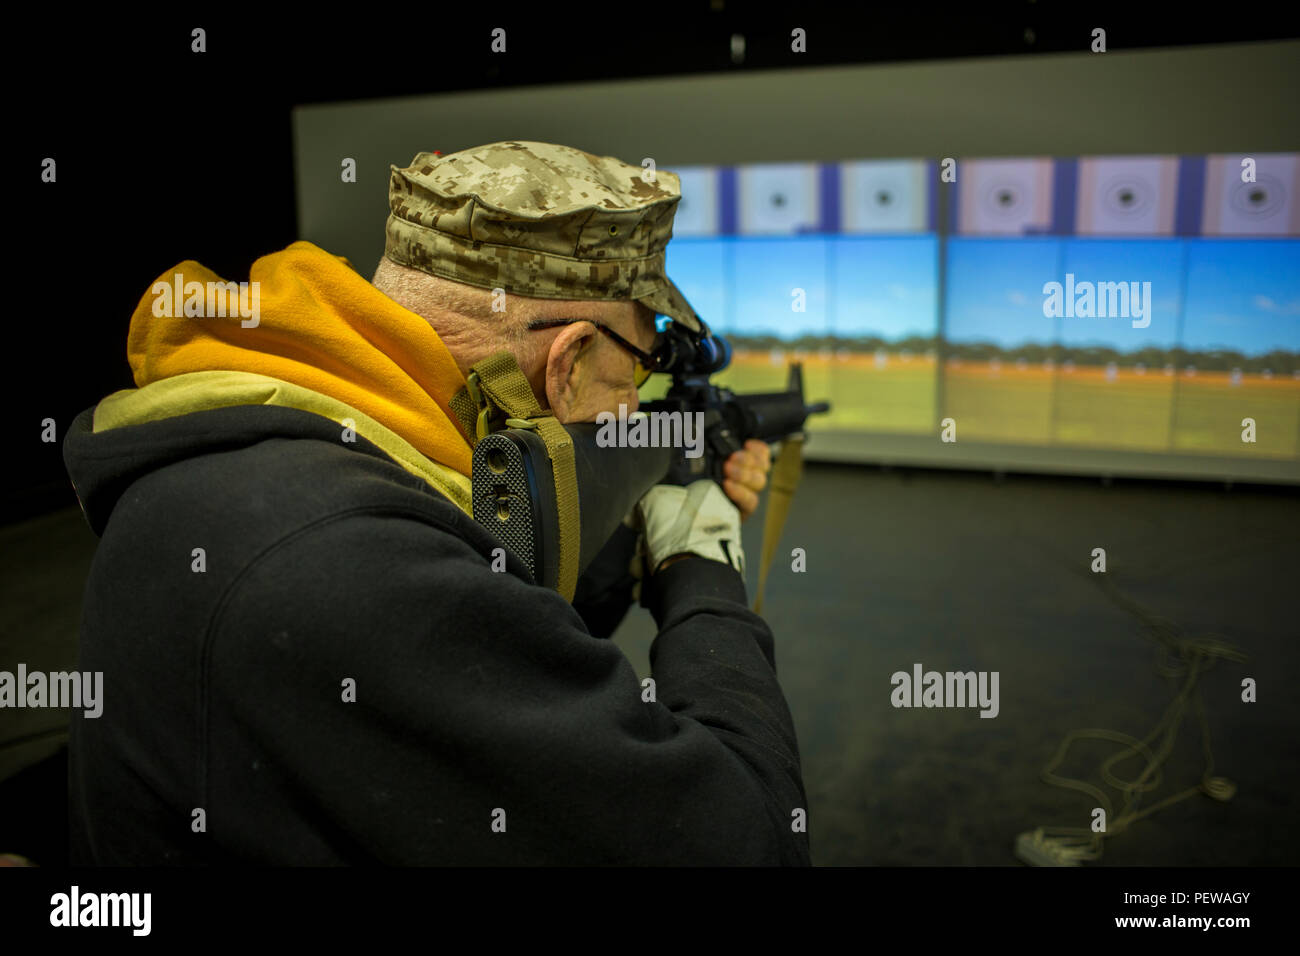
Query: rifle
<point x="514" y="492"/>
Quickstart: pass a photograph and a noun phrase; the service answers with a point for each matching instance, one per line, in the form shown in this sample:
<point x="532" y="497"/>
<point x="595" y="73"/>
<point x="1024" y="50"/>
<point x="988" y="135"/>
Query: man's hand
<point x="746" y="472"/>
<point x="696" y="519"/>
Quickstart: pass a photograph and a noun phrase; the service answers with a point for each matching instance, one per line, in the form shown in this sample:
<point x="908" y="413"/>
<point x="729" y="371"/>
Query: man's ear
<point x="563" y="372"/>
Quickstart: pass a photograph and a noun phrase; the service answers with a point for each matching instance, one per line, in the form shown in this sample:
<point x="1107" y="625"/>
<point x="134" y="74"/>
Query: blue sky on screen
<point x="1158" y="261"/>
<point x="885" y="286"/>
<point x="879" y="285"/>
<point x="995" y="290"/>
<point x="1242" y="294"/>
<point x="765" y="273"/>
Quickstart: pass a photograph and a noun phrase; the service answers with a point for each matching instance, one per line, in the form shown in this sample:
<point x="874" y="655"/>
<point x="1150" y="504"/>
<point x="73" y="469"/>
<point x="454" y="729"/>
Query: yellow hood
<point x="319" y="326"/>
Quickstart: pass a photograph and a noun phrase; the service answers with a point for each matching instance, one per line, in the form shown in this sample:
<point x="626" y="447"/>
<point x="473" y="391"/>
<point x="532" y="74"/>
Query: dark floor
<point x="957" y="572"/>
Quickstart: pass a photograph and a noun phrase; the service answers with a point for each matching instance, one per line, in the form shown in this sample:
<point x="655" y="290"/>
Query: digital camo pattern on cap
<point x="538" y="219"/>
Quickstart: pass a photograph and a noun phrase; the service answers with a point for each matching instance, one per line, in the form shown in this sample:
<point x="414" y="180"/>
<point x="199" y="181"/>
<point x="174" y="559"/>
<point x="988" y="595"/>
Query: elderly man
<point x="310" y="652"/>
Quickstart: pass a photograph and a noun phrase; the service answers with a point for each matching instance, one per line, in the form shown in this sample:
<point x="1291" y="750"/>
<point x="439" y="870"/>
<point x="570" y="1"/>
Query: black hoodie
<point x="308" y="659"/>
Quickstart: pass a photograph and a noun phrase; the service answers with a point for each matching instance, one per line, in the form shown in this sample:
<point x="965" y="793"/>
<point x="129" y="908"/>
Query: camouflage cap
<point x="537" y="219"/>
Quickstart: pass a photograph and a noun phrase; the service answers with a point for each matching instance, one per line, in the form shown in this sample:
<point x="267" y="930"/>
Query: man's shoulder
<point x="296" y="473"/>
<point x="252" y="498"/>
<point x="366" y="557"/>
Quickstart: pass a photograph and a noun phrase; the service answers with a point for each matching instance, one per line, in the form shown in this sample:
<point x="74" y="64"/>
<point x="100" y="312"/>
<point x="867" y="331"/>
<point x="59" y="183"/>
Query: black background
<point x="164" y="154"/>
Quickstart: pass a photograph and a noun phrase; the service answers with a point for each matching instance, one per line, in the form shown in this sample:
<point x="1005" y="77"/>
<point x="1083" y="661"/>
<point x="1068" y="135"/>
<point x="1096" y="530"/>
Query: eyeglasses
<point x="646" y="364"/>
